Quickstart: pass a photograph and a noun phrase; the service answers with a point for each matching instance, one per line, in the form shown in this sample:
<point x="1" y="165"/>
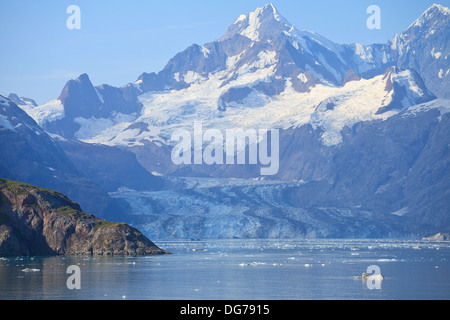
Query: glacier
<point x="215" y="208"/>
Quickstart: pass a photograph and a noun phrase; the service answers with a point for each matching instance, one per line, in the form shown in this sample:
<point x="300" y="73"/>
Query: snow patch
<point x="192" y="77"/>
<point x="49" y="112"/>
<point x="242" y="17"/>
<point x="4" y="122"/>
<point x="231" y="61"/>
<point x="401" y="212"/>
<point x="265" y="59"/>
<point x="93" y="127"/>
<point x="302" y="77"/>
<point x="55" y="136"/>
<point x="436" y="55"/>
<point x="206" y="52"/>
<point x="254" y="23"/>
<point x="100" y="97"/>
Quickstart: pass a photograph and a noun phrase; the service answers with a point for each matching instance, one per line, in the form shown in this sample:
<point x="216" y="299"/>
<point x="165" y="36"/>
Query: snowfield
<point x="49" y="112"/>
<point x="165" y="112"/>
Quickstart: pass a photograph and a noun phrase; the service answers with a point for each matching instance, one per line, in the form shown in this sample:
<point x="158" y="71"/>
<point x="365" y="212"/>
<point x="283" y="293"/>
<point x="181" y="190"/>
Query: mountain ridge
<point x="259" y="56"/>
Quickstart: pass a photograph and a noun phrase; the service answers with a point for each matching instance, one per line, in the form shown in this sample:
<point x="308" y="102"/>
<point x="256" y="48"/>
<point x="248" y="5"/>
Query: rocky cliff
<point x="37" y="221"/>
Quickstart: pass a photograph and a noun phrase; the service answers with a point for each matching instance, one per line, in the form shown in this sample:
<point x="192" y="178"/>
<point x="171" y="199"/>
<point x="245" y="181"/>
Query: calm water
<point x="241" y="270"/>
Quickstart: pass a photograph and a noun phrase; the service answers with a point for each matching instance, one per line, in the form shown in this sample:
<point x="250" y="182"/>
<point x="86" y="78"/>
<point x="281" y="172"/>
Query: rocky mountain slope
<point x="424" y="47"/>
<point x="37" y="221"/>
<point x="85" y="172"/>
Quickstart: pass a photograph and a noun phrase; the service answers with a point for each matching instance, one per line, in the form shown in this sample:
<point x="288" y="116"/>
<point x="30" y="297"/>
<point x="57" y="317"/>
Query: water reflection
<point x="237" y="269"/>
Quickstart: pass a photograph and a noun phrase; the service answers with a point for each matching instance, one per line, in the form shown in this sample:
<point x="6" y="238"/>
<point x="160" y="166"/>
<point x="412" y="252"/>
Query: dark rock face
<point x="351" y="76"/>
<point x="80" y="98"/>
<point x="37" y="221"/>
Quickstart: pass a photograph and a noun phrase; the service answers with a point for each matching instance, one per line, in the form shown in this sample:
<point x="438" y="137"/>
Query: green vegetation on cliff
<point x="39" y="221"/>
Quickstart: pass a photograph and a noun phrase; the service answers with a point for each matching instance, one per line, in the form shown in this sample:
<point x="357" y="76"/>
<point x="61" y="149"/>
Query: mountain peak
<point x="438" y="8"/>
<point x="83" y="78"/>
<point x="81" y="83"/>
<point x="436" y="11"/>
<point x="269" y="8"/>
<point x="80" y="98"/>
<point x="260" y="24"/>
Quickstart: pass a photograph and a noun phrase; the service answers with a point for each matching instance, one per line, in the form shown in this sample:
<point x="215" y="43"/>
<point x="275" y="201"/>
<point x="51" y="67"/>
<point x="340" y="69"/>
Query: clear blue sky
<point x="121" y="39"/>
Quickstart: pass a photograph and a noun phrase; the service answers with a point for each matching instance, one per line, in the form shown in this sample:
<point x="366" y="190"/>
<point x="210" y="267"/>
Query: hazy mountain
<point x="424" y="47"/>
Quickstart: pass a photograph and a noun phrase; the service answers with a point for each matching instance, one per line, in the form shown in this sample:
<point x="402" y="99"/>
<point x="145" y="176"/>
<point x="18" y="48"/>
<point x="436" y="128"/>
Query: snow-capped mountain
<point x="364" y="132"/>
<point x="261" y="40"/>
<point x="424" y="46"/>
<point x="262" y="72"/>
<point x="81" y="107"/>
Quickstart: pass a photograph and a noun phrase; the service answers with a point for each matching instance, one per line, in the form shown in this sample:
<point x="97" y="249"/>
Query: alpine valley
<point x="364" y="136"/>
